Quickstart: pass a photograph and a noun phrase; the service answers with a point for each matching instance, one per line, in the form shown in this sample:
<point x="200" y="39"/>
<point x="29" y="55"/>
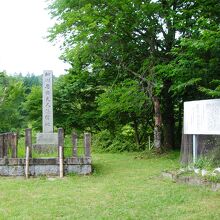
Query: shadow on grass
<point x="152" y="154"/>
<point x="98" y="169"/>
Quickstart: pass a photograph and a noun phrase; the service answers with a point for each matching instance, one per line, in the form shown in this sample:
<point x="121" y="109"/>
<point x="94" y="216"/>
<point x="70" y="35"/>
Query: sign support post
<point x="195" y="148"/>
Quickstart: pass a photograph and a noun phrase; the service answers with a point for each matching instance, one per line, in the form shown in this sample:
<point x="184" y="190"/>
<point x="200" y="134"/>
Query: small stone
<point x="196" y="171"/>
<point x="216" y="170"/>
<point x="204" y="172"/>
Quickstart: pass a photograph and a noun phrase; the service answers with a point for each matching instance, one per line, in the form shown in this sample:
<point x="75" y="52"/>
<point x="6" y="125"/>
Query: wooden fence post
<point x="28" y="149"/>
<point x="27" y="162"/>
<point x="9" y="143"/>
<point x="60" y="138"/>
<point x="74" y="142"/>
<point x="14" y="145"/>
<point x="1" y="145"/>
<point x="5" y="135"/>
<point x="60" y="150"/>
<point x="28" y="140"/>
<point x="61" y="160"/>
<point x="87" y="144"/>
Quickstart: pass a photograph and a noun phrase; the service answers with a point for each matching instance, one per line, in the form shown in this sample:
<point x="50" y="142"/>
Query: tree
<point x="74" y="102"/>
<point x="33" y="107"/>
<point x="118" y="40"/>
<point x="197" y="65"/>
<point x="30" y="80"/>
<point x="123" y="105"/>
<point x="12" y="98"/>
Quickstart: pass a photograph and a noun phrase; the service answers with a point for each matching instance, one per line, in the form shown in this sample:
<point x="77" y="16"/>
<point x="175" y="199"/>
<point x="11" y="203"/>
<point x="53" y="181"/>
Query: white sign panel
<point x="47" y="101"/>
<point x="202" y="117"/>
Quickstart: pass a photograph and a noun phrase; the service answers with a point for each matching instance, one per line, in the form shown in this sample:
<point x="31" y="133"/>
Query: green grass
<point x="121" y="187"/>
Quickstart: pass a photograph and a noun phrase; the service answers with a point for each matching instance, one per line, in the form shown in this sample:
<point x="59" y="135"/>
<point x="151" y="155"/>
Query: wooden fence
<point x="8" y="145"/>
<point x="11" y="165"/>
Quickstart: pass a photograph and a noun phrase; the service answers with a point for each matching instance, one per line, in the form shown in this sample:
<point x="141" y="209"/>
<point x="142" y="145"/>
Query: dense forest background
<point x="133" y="64"/>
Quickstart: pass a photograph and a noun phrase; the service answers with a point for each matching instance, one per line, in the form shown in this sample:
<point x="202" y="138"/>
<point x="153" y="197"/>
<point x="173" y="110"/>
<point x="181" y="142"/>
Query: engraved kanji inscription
<point x="47" y="102"/>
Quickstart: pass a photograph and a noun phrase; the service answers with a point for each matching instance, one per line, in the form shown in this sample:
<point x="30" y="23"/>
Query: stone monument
<point x="47" y="140"/>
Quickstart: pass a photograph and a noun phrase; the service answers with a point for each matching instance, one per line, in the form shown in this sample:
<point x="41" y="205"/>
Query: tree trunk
<point x="168" y="117"/>
<point x="157" y="124"/>
<point x="136" y="133"/>
<point x="180" y="127"/>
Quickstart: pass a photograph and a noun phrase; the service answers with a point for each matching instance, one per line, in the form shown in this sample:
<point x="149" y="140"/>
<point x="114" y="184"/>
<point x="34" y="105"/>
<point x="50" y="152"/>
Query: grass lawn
<point x="121" y="187"/>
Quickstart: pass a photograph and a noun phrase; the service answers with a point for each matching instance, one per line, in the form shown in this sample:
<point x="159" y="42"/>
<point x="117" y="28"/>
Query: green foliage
<point x="123" y="107"/>
<point x="102" y="140"/>
<point x="74" y="102"/>
<point x="116" y="42"/>
<point x="125" y="98"/>
<point x="11" y="99"/>
<point x="105" y="141"/>
<point x="33" y="107"/>
<point x="19" y="105"/>
<point x="204" y="163"/>
<point x="29" y="81"/>
<point x="197" y="64"/>
<point x="215" y="156"/>
<point x="119" y="141"/>
<point x="212" y="178"/>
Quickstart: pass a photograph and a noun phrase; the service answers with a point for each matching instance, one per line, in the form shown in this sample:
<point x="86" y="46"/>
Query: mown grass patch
<point x="121" y="187"/>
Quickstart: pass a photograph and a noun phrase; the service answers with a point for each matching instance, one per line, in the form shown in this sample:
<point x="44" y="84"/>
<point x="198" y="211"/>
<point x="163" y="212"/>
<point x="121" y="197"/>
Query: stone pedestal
<point x="46" y="143"/>
<point x="47" y="138"/>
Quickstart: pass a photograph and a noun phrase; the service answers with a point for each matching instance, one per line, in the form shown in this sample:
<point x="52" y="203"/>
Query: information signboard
<point x="202" y="117"/>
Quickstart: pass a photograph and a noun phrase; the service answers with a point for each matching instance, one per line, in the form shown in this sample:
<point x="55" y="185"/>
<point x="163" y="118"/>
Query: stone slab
<point x="47" y="138"/>
<point x="191" y="180"/>
<point x="38" y="170"/>
<point x="78" y="160"/>
<point x="45" y="148"/>
<point x="79" y="169"/>
<point x="47" y="170"/>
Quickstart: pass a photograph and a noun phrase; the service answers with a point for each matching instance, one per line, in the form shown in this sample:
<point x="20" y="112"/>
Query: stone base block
<point x="44" y="166"/>
<point x="45" y="148"/>
<point x="47" y="138"/>
<point x="46" y="143"/>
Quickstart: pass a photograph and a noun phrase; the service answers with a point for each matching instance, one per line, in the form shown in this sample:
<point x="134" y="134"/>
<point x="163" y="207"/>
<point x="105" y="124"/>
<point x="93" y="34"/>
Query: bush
<point x="216" y="156"/>
<point x="204" y="163"/>
<point x="120" y="141"/>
